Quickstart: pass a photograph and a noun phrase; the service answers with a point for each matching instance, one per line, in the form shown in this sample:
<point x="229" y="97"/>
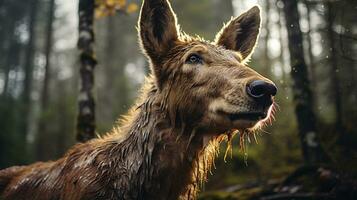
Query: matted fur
<point x="166" y="144"/>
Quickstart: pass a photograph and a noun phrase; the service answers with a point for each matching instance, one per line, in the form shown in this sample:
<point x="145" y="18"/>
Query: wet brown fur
<point x="165" y="146"/>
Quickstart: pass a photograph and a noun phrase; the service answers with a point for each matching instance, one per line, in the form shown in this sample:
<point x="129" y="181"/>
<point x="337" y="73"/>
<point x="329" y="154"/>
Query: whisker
<point x="264" y="131"/>
<point x="276" y="106"/>
<point x="255" y="137"/>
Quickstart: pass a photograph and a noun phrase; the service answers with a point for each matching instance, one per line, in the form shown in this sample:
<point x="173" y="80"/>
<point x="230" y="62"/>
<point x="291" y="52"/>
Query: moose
<point x="197" y="95"/>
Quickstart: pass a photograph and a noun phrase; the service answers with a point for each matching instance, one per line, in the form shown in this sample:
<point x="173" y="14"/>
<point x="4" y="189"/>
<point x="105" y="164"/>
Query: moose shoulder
<point x="198" y="93"/>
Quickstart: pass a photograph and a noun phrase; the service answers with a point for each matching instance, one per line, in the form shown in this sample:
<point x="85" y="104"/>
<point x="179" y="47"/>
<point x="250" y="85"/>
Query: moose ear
<point x="157" y="30"/>
<point x="241" y="33"/>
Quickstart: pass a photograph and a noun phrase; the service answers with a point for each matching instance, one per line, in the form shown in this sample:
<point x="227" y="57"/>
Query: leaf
<point x="109" y="7"/>
<point x="121" y="3"/>
<point x="111" y="3"/>
<point x="132" y="7"/>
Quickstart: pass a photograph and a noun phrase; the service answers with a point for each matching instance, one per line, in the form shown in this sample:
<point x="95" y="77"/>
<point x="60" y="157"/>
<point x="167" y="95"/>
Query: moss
<point x="248" y="193"/>
<point x="241" y="195"/>
<point x="217" y="195"/>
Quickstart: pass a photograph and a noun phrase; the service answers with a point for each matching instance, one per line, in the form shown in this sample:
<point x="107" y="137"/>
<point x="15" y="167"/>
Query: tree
<point x="42" y="127"/>
<point x="335" y="82"/>
<point x="346" y="42"/>
<point x="282" y="43"/>
<point x="86" y="116"/>
<point x="28" y="72"/>
<point x="12" y="15"/>
<point x="267" y="59"/>
<point x="87" y="10"/>
<point x="312" y="66"/>
<point x="311" y="147"/>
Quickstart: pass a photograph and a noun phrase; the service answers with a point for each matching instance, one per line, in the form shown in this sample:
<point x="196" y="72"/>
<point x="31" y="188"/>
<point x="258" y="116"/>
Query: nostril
<point x="256" y="90"/>
<point x="259" y="89"/>
<point x="273" y="90"/>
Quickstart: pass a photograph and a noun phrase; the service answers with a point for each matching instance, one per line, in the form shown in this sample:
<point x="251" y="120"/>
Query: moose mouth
<point x="249" y="116"/>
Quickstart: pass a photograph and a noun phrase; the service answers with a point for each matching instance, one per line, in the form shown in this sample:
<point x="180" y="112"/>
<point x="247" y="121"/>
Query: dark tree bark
<point x="86" y="116"/>
<point x="48" y="51"/>
<point x="312" y="66"/>
<point x="10" y="46"/>
<point x="347" y="39"/>
<point x="13" y="12"/>
<point x="335" y="82"/>
<point x="41" y="146"/>
<point x="2" y="32"/>
<point x="302" y="96"/>
<point x="11" y="59"/>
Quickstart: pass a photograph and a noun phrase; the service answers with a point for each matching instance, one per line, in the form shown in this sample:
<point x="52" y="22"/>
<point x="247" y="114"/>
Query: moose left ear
<point x="157" y="29"/>
<point x="158" y="33"/>
<point x="241" y="33"/>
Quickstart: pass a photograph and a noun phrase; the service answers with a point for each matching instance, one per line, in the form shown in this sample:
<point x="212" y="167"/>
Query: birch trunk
<point x="86" y="105"/>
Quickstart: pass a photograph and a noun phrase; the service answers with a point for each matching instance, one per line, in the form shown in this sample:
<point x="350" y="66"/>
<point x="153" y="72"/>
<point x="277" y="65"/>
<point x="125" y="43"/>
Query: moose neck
<point x="171" y="156"/>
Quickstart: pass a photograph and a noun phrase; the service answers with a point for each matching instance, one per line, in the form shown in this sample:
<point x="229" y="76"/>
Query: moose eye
<point x="194" y="59"/>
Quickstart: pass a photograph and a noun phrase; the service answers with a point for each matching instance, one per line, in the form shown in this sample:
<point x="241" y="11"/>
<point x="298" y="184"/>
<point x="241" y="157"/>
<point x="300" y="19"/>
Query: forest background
<point x="40" y="64"/>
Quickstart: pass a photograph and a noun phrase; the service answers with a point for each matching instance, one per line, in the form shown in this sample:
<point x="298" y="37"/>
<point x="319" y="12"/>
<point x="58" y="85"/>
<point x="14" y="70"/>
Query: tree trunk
<point x="348" y="60"/>
<point x="86" y="116"/>
<point x="267" y="61"/>
<point x="309" y="48"/>
<point x="3" y="26"/>
<point x="335" y="82"/>
<point x="42" y="130"/>
<point x="311" y="147"/>
<point x="282" y="46"/>
<point x="11" y="58"/>
<point x="28" y="71"/>
<point x="9" y="41"/>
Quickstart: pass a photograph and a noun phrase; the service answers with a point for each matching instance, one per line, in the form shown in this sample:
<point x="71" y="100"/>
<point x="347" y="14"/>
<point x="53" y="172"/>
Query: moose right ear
<point x="241" y="33"/>
<point x="157" y="30"/>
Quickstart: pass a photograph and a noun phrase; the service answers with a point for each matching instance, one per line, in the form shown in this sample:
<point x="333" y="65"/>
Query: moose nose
<point x="261" y="90"/>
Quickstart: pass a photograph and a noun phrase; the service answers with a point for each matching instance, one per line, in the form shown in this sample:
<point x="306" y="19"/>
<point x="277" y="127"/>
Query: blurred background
<point x="39" y="81"/>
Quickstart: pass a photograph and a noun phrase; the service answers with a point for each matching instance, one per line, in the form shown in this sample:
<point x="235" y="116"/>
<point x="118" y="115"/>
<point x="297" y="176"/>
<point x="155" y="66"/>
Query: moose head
<point x="207" y="84"/>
